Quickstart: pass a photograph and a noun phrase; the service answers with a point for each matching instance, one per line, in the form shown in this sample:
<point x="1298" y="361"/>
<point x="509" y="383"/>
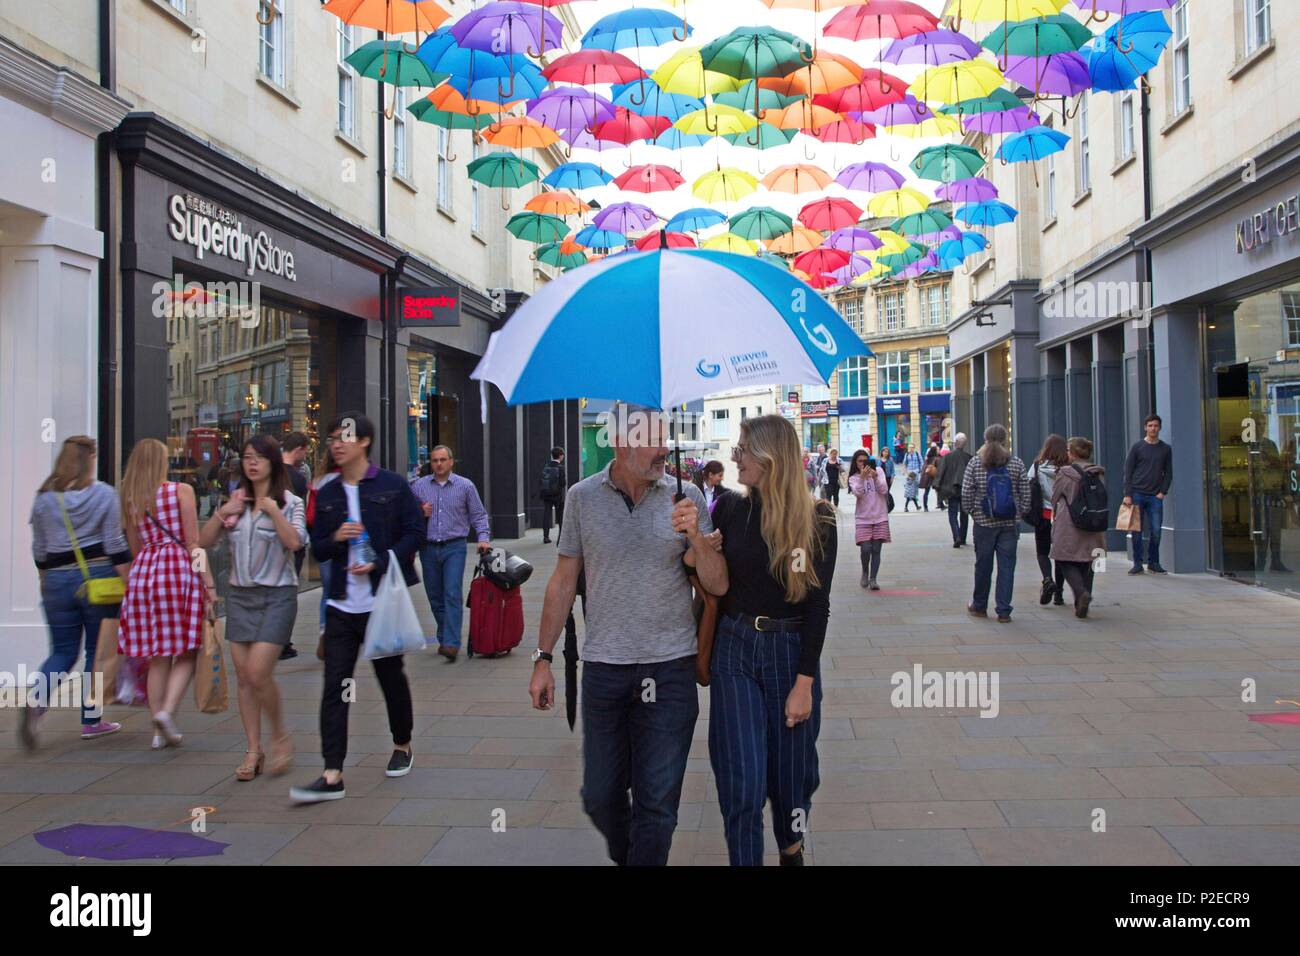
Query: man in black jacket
<point x="552" y="493"/>
<point x="1148" y="474"/>
<point x="948" y="479"/>
<point x="359" y="519"/>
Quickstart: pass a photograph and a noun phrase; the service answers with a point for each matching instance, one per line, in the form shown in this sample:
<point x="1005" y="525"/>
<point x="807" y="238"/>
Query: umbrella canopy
<point x="591" y="67"/>
<point x="761" y="222"/>
<point x="730" y="242"/>
<point x="388" y="62"/>
<point x="424" y="111"/>
<point x="1003" y="123"/>
<point x="985" y="11"/>
<point x="651" y="178"/>
<point x="503" y="169"/>
<point x="389" y="16"/>
<point x="921" y="223"/>
<point x="727" y="184"/>
<point x="822" y="260"/>
<point x="521" y="132"/>
<point x="716" y="121"/>
<point x="748" y="53"/>
<point x="876" y="89"/>
<point x="665" y="240"/>
<point x="508" y="26"/>
<point x="1032" y="145"/>
<point x="577" y="176"/>
<point x="967" y="190"/>
<point x="593" y="237"/>
<point x="625" y="217"/>
<point x="628" y="127"/>
<point x="870" y="177"/>
<point x="1061" y="74"/>
<point x="553" y="254"/>
<point x="992" y="213"/>
<point x="881" y="19"/>
<point x="931" y="48"/>
<point x="797" y="240"/>
<point x="897" y="203"/>
<point x="762" y="136"/>
<point x="947" y="163"/>
<point x="684" y="73"/>
<point x="797" y="178"/>
<point x="557" y="345"/>
<point x="1039" y="36"/>
<point x="853" y="239"/>
<point x="537" y="227"/>
<point x="693" y="220"/>
<point x="1127" y="50"/>
<point x="827" y="72"/>
<point x="556" y="202"/>
<point x="829" y="214"/>
<point x="569" y="107"/>
<point x="955" y="82"/>
<point x="635" y="28"/>
<point x="648" y="99"/>
<point x="954" y="252"/>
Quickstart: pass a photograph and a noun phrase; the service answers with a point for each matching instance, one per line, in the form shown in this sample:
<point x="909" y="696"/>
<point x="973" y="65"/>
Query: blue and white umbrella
<point x="666" y="327"/>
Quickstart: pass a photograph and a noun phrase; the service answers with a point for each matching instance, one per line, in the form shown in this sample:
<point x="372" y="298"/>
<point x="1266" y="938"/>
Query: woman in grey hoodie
<point x="71" y="497"/>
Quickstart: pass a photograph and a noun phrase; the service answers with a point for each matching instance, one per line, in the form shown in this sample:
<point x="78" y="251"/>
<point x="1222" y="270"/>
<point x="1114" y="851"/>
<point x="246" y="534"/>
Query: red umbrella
<point x="828" y="215"/>
<point x="823" y="281"/>
<point x="821" y="260"/>
<point x="628" y="127"/>
<point x="844" y="131"/>
<point x="652" y="178"/>
<point x="665" y="240"/>
<point x="590" y="67"/>
<point x="881" y="19"/>
<point x="876" y="90"/>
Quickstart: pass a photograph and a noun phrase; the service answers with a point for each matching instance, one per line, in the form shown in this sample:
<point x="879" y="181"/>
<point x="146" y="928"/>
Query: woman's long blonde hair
<point x="72" y="469"/>
<point x="789" y="513"/>
<point x="146" y="470"/>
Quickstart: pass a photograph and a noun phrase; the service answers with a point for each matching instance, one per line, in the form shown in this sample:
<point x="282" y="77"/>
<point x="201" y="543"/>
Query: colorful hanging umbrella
<point x="880" y="20"/>
<point x="955" y="251"/>
<point x="743" y="98"/>
<point x="761" y="222"/>
<point x="762" y="136"/>
<point x="802" y="115"/>
<point x="628" y="127"/>
<point x="1003" y="123"/>
<point x="389" y="62"/>
<point x="569" y="107"/>
<point x="921" y="223"/>
<point x="826" y="73"/>
<point x="870" y="177"/>
<point x="537" y="227"/>
<point x="684" y="73"/>
<point x="1002" y="11"/>
<point x="947" y="163"/>
<point x="775" y="260"/>
<point x="797" y="178"/>
<point x="1061" y="74"/>
<point x="577" y="176"/>
<point x="634" y="28"/>
<point x="426" y="112"/>
<point x="1038" y="36"/>
<point x="967" y="191"/>
<point x="797" y="240"/>
<point x="593" y="237"/>
<point x="449" y="99"/>
<point x="503" y="170"/>
<point x="521" y="132"/>
<point x="625" y="217"/>
<point x="553" y="254"/>
<point x="906" y="110"/>
<point x="389" y="16"/>
<point x="645" y="97"/>
<point x="508" y="26"/>
<point x="727" y="184"/>
<point x="749" y="53"/>
<point x="936" y="126"/>
<point x="829" y="214"/>
<point x="665" y="240"/>
<point x="991" y="213"/>
<point x="592" y="67"/>
<point x="821" y="261"/>
<point x="1032" y="145"/>
<point x="890" y="241"/>
<point x="931" y="48"/>
<point x="955" y="82"/>
<point x="853" y="239"/>
<point x="651" y="178"/>
<point x="897" y="261"/>
<point x="716" y="121"/>
<point x="996" y="102"/>
<point x="556" y="202"/>
<point x="1127" y="50"/>
<point x="730" y="242"/>
<point x="675" y="139"/>
<point x="844" y="131"/>
<point x="693" y="220"/>
<point x="877" y="89"/>
<point x="897" y="203"/>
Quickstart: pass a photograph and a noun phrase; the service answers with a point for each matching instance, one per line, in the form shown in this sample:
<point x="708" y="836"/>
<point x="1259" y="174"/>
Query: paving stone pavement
<point x="1136" y="712"/>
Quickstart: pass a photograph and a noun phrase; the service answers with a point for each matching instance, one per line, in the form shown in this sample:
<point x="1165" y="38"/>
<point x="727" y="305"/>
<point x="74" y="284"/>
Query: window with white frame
<point x="1259" y="24"/>
<point x="1182" y="59"/>
<point x="890" y="307"/>
<point x="1049" y="188"/>
<point x="444" y="169"/>
<point x="853" y="377"/>
<point x="402" y="133"/>
<point x="935" y="301"/>
<point x="475" y="190"/>
<point x="347" y="100"/>
<point x="720" y="429"/>
<point x="180" y="6"/>
<point x="895" y="373"/>
<point x="1291" y="316"/>
<point x="934" y="369"/>
<point x="272" y="54"/>
<point x="1125" y="141"/>
<point x="851" y="309"/>
<point x="1083" y="142"/>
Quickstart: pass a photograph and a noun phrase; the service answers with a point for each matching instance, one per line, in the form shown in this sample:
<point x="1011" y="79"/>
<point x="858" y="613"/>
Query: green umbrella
<point x="743" y="98"/>
<point x="1040" y="36"/>
<point x="426" y="112"/>
<point x="899" y="261"/>
<point x="767" y="136"/>
<point x="551" y="255"/>
<point x="998" y="101"/>
<point x="921" y="223"/>
<point x="762" y="222"/>
<point x="773" y="259"/>
<point x="947" y="163"/>
<point x="388" y="62"/>
<point x="538" y="227"/>
<point x="751" y="52"/>
<point x="503" y="169"/>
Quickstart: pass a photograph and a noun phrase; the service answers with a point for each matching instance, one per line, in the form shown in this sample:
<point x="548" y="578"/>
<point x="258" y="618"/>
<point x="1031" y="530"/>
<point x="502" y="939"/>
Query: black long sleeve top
<point x="1149" y="468"/>
<point x="752" y="588"/>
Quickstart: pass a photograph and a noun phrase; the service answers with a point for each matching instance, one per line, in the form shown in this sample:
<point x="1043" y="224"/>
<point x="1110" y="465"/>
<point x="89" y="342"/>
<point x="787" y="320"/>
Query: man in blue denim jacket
<point x="360" y="518"/>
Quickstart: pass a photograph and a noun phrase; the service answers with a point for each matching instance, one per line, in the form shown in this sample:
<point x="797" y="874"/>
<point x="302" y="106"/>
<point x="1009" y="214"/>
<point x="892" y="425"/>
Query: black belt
<point x="462" y="539"/>
<point x="769" y="625"/>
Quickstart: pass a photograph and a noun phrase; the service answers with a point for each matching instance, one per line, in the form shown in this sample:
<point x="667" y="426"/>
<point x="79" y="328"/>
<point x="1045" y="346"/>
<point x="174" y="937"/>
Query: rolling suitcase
<point x="496" y="617"/>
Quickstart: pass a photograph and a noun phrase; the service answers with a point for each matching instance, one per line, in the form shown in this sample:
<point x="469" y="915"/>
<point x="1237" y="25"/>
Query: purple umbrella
<point x="625" y="217"/>
<point x="856" y="266"/>
<point x="905" y="112"/>
<point x="933" y="48"/>
<point x="852" y="239"/>
<point x="570" y="107"/>
<point x="508" y="26"/>
<point x="975" y="189"/>
<point x="1063" y="74"/>
<point x="1125" y="7"/>
<point x="1002" y="121"/>
<point x="127" y="843"/>
<point x="870" y="177"/>
<point x="919" y="268"/>
<point x="946" y="234"/>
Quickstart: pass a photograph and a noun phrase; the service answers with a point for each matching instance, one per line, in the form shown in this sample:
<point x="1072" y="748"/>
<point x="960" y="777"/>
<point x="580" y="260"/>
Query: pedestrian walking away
<point x="452" y="511"/>
<point x="995" y="493"/>
<point x="266" y="527"/>
<point x="1075" y="546"/>
<point x="294" y="451"/>
<point x="870" y="490"/>
<point x="928" y="472"/>
<point x="1148" y="476"/>
<point x="166" y="599"/>
<point x="1051" y="459"/>
<point x="832" y="477"/>
<point x="765" y="687"/>
<point x="553" y="485"/>
<point x="76" y="538"/>
<point x="911" y="484"/>
<point x="360" y="517"/>
<point x="639" y="698"/>
<point x="948" y="479"/>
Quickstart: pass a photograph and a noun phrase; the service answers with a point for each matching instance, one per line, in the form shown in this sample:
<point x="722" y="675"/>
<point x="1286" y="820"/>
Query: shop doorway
<point x="444" y="421"/>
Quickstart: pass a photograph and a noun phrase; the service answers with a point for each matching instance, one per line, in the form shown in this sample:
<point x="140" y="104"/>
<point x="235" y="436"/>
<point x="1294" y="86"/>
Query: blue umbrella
<point x="1032" y="145"/>
<point x="954" y="252"/>
<point x="1126" y="51"/>
<point x="634" y="27"/>
<point x="694" y="219"/>
<point x="674" y="138"/>
<point x="991" y="213"/>
<point x="593" y="237"/>
<point x="653" y="101"/>
<point x="577" y="176"/>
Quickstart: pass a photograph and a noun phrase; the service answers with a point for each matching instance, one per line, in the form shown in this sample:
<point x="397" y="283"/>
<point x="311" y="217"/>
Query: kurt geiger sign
<point x="1277" y="221"/>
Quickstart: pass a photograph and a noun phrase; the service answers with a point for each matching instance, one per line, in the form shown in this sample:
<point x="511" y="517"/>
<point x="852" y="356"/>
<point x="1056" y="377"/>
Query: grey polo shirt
<point x="638" y="597"/>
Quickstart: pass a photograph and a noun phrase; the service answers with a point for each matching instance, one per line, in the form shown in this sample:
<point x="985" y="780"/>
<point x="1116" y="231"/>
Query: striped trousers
<point x="755" y="757"/>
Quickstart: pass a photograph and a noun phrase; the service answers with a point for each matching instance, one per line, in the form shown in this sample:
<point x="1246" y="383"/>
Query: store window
<point x="895" y="373"/>
<point x="853" y="377"/>
<point x="934" y="369"/>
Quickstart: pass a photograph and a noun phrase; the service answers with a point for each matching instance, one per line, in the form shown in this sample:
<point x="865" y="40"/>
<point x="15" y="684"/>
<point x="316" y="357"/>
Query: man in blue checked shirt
<point x="452" y="507"/>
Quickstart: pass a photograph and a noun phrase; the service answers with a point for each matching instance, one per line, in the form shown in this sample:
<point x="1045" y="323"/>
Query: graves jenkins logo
<point x="708" y="370"/>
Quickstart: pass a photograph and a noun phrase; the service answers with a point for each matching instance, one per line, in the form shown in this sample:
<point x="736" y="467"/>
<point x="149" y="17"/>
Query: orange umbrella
<point x="825" y="74"/>
<point x="799" y="178"/>
<point x="389" y="16"/>
<point x="448" y="99"/>
<point x="802" y="115"/>
<point x="556" y="202"/>
<point x="521" y="132"/>
<point x="799" y="240"/>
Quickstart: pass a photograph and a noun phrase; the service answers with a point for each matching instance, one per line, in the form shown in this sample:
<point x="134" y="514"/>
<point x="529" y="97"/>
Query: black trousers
<point x="958" y="520"/>
<point x="831" y="493"/>
<point x="1043" y="548"/>
<point x="344" y="635"/>
<point x="1079" y="574"/>
<point x="547" y="505"/>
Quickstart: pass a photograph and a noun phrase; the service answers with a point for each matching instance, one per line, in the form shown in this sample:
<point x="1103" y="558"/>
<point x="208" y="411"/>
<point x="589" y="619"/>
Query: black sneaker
<point x="318" y="791"/>
<point x="1157" y="569"/>
<point x="793" y="859"/>
<point x="956" y="544"/>
<point x="1136" y="569"/>
<point x="289" y="653"/>
<point x="1049" y="588"/>
<point x="399" y="765"/>
<point x="1059" y="598"/>
<point x="1081" y="605"/>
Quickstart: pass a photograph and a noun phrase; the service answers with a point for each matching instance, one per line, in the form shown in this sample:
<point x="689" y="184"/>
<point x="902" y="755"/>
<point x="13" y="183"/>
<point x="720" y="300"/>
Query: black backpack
<point x="552" y="480"/>
<point x="1090" y="509"/>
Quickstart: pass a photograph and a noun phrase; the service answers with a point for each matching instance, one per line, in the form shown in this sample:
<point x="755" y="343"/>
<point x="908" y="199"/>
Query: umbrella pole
<point x="677" y="459"/>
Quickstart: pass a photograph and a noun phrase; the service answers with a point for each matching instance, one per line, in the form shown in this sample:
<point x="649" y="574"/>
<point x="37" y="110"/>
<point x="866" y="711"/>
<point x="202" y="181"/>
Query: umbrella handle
<point x="505" y="200"/>
<point x="507" y="94"/>
<point x="805" y="150"/>
<point x="271" y="16"/>
<point x="712" y="129"/>
<point x="537" y="54"/>
<point x="412" y="50"/>
<point x="686" y="31"/>
<point x="644" y="95"/>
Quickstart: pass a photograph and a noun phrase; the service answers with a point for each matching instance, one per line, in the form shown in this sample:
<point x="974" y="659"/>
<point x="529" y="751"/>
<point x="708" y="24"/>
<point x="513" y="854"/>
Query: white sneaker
<point x="163" y="723"/>
<point x="158" y="743"/>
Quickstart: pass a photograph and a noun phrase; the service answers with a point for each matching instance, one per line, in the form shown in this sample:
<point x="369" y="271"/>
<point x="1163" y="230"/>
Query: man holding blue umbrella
<point x="639" y="702"/>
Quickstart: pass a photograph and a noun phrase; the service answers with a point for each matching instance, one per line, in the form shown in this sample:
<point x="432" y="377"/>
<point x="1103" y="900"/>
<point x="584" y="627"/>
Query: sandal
<point x="246" y="771"/>
<point x="282" y="756"/>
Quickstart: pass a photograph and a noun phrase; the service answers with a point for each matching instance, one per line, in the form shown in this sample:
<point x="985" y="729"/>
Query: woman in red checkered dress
<point x="163" y="612"/>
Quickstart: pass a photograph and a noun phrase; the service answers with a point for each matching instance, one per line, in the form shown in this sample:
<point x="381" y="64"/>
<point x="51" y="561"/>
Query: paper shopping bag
<point x="1129" y="519"/>
<point x="210" y="692"/>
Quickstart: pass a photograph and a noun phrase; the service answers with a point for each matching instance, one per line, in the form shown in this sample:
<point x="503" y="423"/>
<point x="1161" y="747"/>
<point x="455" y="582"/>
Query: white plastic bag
<point x="393" y="628"/>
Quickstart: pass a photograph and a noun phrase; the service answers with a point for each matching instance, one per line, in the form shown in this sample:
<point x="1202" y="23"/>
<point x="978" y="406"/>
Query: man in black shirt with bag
<point x="1148" y="474"/>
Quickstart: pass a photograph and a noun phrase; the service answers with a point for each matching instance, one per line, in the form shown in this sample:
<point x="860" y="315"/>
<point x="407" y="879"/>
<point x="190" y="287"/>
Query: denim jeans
<point x="1153" y="516"/>
<point x="443" y="568"/>
<point x="959" y="529"/>
<point x="756" y="758"/>
<point x="637" y="724"/>
<point x="73" y="621"/>
<point x="991" y="543"/>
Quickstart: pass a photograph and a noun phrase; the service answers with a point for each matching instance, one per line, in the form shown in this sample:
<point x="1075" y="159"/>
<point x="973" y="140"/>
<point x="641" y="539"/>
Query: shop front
<point x="894" y="422"/>
<point x="855" y="425"/>
<point x="935" y="411"/>
<point x="815" y="419"/>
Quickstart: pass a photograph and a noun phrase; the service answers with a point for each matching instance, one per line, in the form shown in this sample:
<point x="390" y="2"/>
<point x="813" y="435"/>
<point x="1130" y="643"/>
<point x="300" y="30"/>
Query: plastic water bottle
<point x="365" y="551"/>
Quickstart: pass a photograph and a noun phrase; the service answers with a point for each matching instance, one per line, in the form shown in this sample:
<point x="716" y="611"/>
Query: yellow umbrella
<point x="797" y="178"/>
<point x="898" y="203"/>
<point x="684" y="73"/>
<point x="520" y="132"/>
<point x="955" y="82"/>
<point x="556" y="202"/>
<point x="940" y="124"/>
<point x="727" y="184"/>
<point x="716" y="120"/>
<point x="893" y="244"/>
<point x="800" y="239"/>
<point x="988" y="11"/>
<point x="730" y="242"/>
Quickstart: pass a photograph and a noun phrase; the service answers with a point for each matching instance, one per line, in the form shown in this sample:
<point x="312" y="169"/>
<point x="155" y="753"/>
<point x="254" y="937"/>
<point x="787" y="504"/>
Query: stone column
<point x="1179" y="401"/>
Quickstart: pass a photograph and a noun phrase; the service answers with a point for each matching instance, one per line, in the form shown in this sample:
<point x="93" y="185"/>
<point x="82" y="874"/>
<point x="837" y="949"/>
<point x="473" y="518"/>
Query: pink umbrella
<point x="651" y="178"/>
<point x="821" y="261"/>
<point x="828" y="214"/>
<point x="665" y="240"/>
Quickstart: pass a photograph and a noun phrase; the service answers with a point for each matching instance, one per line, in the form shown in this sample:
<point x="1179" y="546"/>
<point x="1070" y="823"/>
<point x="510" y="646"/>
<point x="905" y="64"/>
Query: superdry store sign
<point x="428" y="308"/>
<point x="211" y="229"/>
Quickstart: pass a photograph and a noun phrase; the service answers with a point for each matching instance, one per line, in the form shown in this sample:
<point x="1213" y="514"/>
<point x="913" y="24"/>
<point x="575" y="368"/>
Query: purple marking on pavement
<point x="127" y="843"/>
<point x="1290" y="717"/>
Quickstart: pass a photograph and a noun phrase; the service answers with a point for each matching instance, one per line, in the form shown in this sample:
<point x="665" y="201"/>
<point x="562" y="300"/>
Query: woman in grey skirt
<point x="266" y="525"/>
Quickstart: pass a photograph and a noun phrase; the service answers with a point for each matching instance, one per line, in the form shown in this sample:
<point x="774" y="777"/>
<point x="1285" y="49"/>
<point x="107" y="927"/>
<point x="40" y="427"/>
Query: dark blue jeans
<point x="73" y="622"/>
<point x="637" y="723"/>
<point x="991" y="543"/>
<point x="958" y="520"/>
<point x="1153" y="516"/>
<point x="756" y="758"/>
<point x="443" y="570"/>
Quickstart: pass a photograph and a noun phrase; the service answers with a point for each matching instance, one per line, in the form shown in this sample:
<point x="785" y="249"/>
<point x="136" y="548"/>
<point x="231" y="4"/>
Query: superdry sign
<point x="428" y="308"/>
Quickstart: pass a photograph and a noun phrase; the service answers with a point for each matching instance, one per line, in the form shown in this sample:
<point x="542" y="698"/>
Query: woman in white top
<point x="1053" y="457"/>
<point x="265" y="524"/>
<point x="709" y="480"/>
